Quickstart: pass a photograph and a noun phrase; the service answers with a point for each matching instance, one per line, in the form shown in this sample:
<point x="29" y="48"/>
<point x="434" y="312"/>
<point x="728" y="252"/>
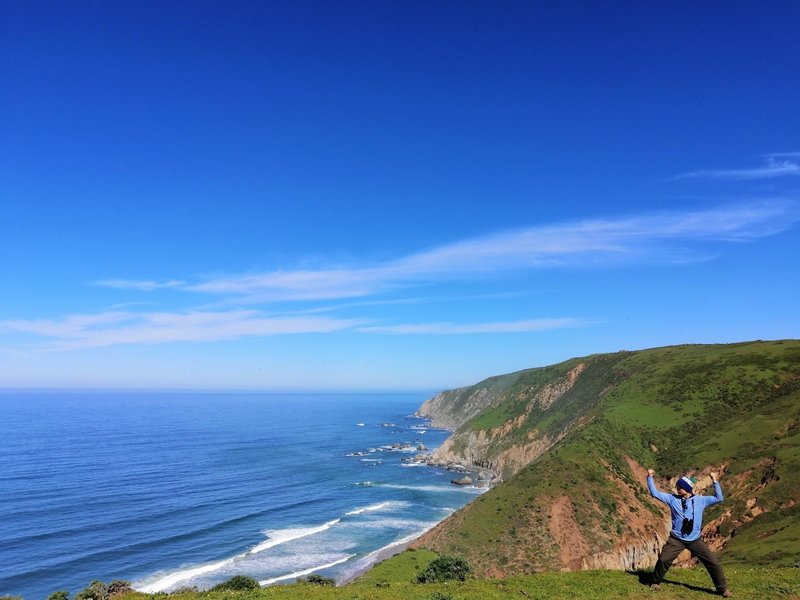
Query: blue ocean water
<point x="176" y="490"/>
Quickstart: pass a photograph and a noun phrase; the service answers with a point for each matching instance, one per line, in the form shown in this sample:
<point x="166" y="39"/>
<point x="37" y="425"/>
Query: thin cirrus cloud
<point x="781" y="164"/>
<point x="142" y="286"/>
<point x="782" y="155"/>
<point x="498" y="327"/>
<point x="599" y="242"/>
<point x="659" y="237"/>
<point x="76" y="332"/>
<point x="114" y="328"/>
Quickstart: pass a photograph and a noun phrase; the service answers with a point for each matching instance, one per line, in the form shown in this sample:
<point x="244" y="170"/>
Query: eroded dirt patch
<point x="573" y="546"/>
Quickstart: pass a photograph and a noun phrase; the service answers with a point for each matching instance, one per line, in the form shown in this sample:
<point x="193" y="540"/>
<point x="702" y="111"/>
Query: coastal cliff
<point x="572" y="442"/>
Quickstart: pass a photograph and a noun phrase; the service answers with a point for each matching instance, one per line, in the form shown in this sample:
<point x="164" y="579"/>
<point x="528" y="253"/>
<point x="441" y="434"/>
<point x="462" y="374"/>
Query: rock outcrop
<point x="488" y="448"/>
<point x="453" y="408"/>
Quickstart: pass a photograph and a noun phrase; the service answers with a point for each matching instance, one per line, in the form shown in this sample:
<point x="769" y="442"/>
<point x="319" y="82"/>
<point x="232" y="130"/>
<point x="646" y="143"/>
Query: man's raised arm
<point x="654" y="491"/>
<point x="718" y="497"/>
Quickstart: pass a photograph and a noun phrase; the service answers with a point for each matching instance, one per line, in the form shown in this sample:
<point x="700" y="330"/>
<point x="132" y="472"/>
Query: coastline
<point x="365" y="564"/>
<point x="486" y="479"/>
<point x="479" y="479"/>
<point x="258" y="522"/>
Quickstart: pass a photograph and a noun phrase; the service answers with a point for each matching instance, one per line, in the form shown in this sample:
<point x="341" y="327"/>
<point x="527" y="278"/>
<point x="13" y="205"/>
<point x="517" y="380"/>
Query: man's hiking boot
<point x="655" y="587"/>
<point x="726" y="593"/>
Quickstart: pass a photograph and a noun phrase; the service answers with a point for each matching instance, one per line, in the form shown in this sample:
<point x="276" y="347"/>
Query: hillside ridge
<point x="572" y="442"/>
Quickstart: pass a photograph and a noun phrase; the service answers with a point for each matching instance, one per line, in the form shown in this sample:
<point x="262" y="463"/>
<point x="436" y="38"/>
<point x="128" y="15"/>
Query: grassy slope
<point x="681" y="584"/>
<point x="733" y="407"/>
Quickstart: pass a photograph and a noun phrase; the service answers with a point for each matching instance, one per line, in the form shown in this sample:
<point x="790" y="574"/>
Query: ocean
<point x="176" y="490"/>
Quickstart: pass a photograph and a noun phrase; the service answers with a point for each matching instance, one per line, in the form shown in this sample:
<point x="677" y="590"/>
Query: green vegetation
<point x="445" y="568"/>
<point x="237" y="583"/>
<point x="96" y="591"/>
<point x="318" y="580"/>
<point x="403" y="567"/>
<point x="731" y="408"/>
<point x="681" y="584"/>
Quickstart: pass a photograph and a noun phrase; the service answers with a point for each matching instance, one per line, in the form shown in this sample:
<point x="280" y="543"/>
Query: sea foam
<point x="168" y="581"/>
<point x="392" y="504"/>
<point x="305" y="571"/>
<point x="281" y="536"/>
<point x="274" y="538"/>
<point x="439" y="489"/>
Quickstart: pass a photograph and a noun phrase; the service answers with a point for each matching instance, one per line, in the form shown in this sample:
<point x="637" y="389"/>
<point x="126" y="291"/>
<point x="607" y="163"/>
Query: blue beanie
<point x="685" y="483"/>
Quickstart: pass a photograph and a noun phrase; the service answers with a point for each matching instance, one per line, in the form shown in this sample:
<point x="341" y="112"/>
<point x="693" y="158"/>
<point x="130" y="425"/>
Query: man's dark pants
<point x="698" y="548"/>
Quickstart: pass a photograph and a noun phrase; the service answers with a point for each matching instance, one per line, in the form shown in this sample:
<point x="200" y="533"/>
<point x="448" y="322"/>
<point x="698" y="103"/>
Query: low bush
<point x="118" y="587"/>
<point x="318" y="580"/>
<point x="96" y="591"/>
<point x="238" y="583"/>
<point x="445" y="568"/>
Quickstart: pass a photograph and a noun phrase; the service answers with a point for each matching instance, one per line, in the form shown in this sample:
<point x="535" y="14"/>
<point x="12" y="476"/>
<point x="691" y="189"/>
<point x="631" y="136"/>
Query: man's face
<point x="683" y="493"/>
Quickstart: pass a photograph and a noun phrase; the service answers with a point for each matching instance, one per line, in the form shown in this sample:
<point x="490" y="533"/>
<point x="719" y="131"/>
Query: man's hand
<point x="650" y="473"/>
<point x="713" y="477"/>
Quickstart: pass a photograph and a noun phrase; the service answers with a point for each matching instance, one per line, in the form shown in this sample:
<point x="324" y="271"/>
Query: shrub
<point x="118" y="587"/>
<point x="445" y="568"/>
<point x="59" y="595"/>
<point x="318" y="580"/>
<point x="237" y="582"/>
<point x="96" y="591"/>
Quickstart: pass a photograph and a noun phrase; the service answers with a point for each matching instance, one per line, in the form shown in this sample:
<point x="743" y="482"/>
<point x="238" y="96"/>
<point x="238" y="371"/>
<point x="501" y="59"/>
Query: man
<point x="686" y="510"/>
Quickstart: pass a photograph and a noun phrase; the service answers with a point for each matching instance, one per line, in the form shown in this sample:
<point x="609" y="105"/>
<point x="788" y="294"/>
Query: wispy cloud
<point x="114" y="328"/>
<point x="635" y="239"/>
<point x="497" y="327"/>
<point x="783" y="164"/>
<point x="75" y="332"/>
<point x="600" y="242"/>
<point x="782" y="155"/>
<point x="142" y="286"/>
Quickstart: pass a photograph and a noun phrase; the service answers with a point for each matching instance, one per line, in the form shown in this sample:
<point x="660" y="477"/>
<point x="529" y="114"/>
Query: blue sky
<point x="388" y="195"/>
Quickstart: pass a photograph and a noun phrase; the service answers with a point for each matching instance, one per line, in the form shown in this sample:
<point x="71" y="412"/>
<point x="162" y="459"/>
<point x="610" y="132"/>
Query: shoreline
<point x="395" y="548"/>
<point x="378" y="556"/>
<point x="367" y="562"/>
<point x="485" y="480"/>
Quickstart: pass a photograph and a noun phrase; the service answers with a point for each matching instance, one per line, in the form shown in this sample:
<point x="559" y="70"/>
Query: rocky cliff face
<point x="453" y="408"/>
<point x="630" y="555"/>
<point x="493" y="448"/>
<point x="472" y="449"/>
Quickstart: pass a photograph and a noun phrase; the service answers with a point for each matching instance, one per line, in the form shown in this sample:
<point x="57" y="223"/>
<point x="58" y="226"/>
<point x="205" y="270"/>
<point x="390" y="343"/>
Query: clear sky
<point x="389" y="195"/>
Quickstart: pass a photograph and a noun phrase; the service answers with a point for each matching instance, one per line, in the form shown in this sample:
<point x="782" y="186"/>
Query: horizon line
<point x="182" y="390"/>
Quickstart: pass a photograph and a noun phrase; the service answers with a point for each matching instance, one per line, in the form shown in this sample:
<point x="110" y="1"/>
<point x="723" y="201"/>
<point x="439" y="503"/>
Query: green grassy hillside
<point x="573" y="441"/>
<point x="681" y="584"/>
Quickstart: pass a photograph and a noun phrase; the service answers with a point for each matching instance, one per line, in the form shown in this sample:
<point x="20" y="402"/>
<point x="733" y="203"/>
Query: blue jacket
<point x="694" y="509"/>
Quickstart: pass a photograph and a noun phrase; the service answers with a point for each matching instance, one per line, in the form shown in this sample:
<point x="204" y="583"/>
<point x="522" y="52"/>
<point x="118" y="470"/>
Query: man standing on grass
<point x="686" y="510"/>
